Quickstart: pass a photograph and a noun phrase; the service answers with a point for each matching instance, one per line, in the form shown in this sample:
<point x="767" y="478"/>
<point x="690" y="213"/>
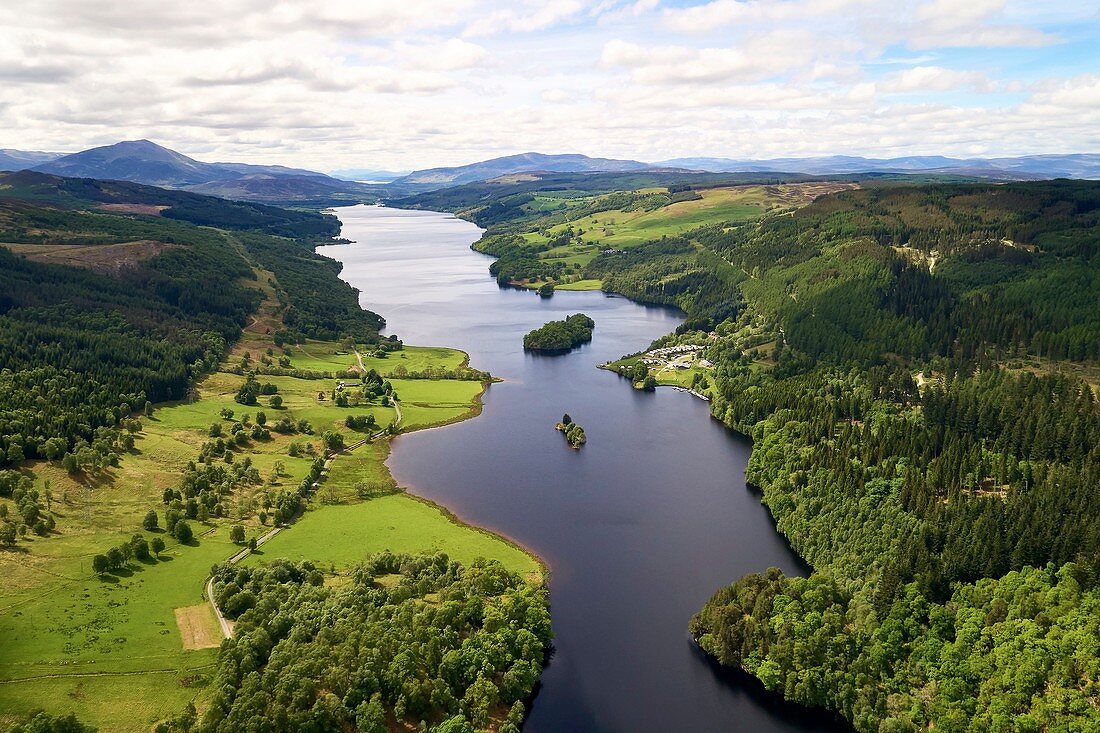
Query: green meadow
<point x="343" y="535"/>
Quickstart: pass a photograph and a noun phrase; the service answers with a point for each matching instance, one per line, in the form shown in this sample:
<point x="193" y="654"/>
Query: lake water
<point x="639" y="527"/>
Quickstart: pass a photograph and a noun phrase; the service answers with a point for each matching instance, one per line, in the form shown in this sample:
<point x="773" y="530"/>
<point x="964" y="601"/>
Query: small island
<point x="561" y="336"/>
<point x="573" y="432"/>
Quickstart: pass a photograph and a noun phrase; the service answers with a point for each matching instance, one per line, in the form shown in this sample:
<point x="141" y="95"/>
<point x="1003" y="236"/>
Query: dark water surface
<point x="639" y="527"/>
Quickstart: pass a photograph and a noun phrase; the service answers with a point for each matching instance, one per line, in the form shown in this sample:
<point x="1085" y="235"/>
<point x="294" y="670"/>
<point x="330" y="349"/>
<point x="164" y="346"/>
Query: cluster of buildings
<point x="669" y="355"/>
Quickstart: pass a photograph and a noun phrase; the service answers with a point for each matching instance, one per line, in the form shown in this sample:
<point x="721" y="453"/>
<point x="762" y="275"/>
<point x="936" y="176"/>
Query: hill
<point x="58" y="192"/>
<point x="142" y="161"/>
<point x="14" y="160"/>
<point x="1023" y="167"/>
<point x="522" y="163"/>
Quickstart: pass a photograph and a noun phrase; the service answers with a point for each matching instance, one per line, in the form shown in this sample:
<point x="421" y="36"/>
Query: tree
<point x="100" y="564"/>
<point x="276" y="401"/>
<point x="115" y="558"/>
<point x="8" y="534"/>
<point x="251" y="544"/>
<point x="45" y="723"/>
<point x="370" y="717"/>
<point x="140" y="547"/>
<point x="236" y="533"/>
<point x="182" y="532"/>
<point x="261" y="418"/>
<point x="157" y="546"/>
<point x="150" y="523"/>
<point x="334" y="441"/>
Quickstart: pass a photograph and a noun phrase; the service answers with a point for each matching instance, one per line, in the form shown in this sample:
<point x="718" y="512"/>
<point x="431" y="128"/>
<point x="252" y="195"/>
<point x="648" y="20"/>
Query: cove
<point x="639" y="527"/>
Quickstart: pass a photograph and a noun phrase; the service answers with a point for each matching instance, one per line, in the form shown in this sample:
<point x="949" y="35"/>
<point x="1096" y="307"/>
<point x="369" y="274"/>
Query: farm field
<point x="111" y="648"/>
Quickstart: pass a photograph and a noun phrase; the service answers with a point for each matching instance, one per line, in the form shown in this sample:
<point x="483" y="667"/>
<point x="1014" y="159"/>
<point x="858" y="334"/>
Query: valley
<point x="249" y="387"/>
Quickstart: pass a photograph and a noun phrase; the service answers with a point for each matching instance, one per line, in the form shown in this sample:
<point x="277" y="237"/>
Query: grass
<point x="109" y="649"/>
<point x="581" y="285"/>
<point x="343" y="535"/>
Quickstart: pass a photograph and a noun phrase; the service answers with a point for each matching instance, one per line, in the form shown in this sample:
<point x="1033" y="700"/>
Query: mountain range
<point x="1080" y="165"/>
<point x="13" y="160"/>
<point x="142" y="161"/>
<point x="522" y="163"/>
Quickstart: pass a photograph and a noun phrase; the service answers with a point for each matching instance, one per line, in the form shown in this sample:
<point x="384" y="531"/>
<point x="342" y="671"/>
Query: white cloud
<point x="415" y="83"/>
<point x="936" y="79"/>
<point x="534" y="16"/>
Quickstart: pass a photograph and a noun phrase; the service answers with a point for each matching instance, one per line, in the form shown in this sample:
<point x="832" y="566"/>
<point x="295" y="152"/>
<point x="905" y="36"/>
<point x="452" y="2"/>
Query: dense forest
<point x="410" y="640"/>
<point x="946" y="496"/>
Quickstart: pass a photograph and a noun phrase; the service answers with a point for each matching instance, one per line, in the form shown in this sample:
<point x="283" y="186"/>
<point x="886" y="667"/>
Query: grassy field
<point x="110" y="648"/>
<point x="343" y="535"/>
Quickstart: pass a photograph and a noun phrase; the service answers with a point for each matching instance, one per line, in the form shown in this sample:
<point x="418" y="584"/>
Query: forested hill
<point x="45" y="190"/>
<point x="917" y="366"/>
<point x="112" y="295"/>
<point x="925" y="439"/>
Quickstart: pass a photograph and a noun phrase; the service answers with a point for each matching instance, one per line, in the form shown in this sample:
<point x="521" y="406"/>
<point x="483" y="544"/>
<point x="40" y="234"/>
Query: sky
<point x="411" y="84"/>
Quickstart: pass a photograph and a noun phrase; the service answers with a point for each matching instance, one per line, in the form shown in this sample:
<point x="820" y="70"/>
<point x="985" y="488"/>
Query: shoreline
<point x="475" y="410"/>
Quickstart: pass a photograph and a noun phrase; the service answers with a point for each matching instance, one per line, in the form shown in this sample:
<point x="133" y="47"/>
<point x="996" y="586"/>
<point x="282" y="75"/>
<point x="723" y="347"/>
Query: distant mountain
<point x="1080" y="165"/>
<point x="142" y="161"/>
<point x="15" y="160"/>
<point x="287" y="188"/>
<point x="368" y="174"/>
<point x="522" y="163"/>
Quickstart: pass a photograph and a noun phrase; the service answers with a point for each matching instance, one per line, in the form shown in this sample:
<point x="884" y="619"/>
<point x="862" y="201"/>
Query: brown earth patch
<point x="198" y="627"/>
<point x="106" y="259"/>
<point x="150" y="209"/>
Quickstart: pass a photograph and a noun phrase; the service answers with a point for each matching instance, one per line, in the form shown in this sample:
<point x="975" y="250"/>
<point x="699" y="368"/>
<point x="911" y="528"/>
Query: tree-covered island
<point x="561" y="335"/>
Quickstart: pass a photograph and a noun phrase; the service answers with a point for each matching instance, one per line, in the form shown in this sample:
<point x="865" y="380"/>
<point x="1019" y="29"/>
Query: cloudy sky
<point x="414" y="83"/>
